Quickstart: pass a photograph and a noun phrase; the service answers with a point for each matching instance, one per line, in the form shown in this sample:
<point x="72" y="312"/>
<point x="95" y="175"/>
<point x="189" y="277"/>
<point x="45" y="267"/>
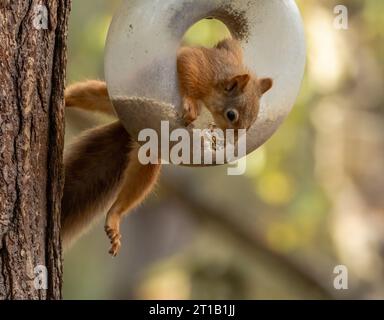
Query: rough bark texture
<point x="32" y="76"/>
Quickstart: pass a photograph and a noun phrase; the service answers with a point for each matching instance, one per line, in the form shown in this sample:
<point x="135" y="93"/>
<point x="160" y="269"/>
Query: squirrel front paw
<point x="191" y="111"/>
<point x="115" y="237"/>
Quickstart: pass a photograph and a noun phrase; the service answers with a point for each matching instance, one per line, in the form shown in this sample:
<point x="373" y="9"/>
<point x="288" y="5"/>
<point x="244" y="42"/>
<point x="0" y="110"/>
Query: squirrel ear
<point x="265" y="85"/>
<point x="237" y="84"/>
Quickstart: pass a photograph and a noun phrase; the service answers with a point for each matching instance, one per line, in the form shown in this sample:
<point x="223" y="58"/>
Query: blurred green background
<point x="312" y="197"/>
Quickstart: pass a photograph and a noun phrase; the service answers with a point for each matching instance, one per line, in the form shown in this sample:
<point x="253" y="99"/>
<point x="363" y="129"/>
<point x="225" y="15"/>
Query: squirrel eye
<point x="232" y="115"/>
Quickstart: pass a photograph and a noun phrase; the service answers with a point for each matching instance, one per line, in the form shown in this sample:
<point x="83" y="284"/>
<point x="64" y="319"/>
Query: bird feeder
<point x="141" y="55"/>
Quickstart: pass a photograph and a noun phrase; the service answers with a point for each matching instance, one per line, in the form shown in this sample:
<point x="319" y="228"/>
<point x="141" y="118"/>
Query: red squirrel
<point x="102" y="170"/>
<point x="218" y="79"/>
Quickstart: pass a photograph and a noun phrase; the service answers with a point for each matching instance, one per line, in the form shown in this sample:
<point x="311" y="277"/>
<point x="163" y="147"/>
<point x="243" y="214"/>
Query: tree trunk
<point x="32" y="74"/>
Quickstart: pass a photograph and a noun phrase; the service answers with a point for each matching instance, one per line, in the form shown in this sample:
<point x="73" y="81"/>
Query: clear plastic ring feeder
<point x="141" y="55"/>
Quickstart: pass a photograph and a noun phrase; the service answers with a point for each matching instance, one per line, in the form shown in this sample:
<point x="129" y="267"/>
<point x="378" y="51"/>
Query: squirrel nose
<point x="232" y="115"/>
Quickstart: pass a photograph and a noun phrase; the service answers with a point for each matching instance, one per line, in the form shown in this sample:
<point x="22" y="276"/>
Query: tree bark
<point x="32" y="77"/>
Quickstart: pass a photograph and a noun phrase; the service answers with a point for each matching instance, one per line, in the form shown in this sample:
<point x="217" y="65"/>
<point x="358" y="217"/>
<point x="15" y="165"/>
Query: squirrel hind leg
<point x="91" y="95"/>
<point x="139" y="180"/>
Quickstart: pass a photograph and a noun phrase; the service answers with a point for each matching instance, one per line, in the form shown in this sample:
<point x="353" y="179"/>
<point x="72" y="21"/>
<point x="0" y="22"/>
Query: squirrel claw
<point x="115" y="237"/>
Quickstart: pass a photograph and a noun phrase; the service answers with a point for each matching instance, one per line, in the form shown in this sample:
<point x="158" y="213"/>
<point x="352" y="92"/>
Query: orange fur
<point x="91" y="95"/>
<point x="138" y="182"/>
<point x="218" y="78"/>
<point x="102" y="172"/>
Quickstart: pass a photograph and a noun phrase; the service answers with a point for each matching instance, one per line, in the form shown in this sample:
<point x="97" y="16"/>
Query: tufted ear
<point x="265" y="85"/>
<point x="237" y="84"/>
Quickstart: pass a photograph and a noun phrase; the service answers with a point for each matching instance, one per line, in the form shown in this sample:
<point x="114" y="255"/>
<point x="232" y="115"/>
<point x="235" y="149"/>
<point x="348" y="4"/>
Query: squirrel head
<point x="235" y="102"/>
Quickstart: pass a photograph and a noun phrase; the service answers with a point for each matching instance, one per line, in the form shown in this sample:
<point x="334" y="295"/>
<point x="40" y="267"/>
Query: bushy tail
<point x="94" y="162"/>
<point x="94" y="170"/>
